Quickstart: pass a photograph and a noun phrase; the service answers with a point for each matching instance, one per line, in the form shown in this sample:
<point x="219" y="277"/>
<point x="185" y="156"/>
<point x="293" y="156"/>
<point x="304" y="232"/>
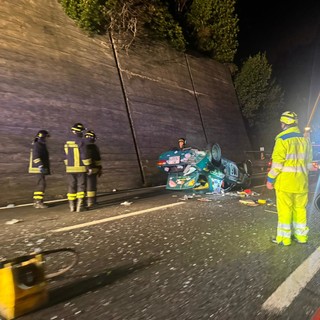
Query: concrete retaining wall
<point x="53" y="75"/>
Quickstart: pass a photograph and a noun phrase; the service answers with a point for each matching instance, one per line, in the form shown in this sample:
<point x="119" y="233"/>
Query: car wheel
<point x="247" y="166"/>
<point x="216" y="153"/>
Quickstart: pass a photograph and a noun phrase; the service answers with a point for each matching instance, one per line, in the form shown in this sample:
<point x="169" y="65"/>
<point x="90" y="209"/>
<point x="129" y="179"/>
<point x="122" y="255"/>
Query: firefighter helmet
<point x="289" y="117"/>
<point x="78" y="127"/>
<point x="90" y="135"/>
<point x="43" y="134"/>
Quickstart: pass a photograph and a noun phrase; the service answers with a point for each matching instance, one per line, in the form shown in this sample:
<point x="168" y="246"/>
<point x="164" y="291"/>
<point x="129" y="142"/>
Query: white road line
<point x="126" y="215"/>
<point x="66" y="199"/>
<point x="292" y="286"/>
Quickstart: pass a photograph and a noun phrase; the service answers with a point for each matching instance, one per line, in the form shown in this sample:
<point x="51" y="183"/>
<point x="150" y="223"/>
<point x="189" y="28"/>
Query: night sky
<point x="289" y="33"/>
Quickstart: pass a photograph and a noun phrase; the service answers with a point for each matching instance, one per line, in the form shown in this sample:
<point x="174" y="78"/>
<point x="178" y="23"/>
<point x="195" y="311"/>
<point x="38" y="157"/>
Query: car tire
<point x="216" y="153"/>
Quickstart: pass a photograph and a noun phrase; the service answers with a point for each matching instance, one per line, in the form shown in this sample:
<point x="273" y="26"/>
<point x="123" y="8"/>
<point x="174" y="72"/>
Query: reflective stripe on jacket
<point x="76" y="159"/>
<point x="291" y="157"/>
<point x="39" y="156"/>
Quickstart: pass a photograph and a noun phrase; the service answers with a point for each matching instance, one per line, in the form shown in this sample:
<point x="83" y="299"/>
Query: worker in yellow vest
<point x="78" y="164"/>
<point x="291" y="161"/>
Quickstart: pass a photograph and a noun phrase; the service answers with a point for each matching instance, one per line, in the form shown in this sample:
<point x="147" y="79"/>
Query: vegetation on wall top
<point x="210" y="26"/>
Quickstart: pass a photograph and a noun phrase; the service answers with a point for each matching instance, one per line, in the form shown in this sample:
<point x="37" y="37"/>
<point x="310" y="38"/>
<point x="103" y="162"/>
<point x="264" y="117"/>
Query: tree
<point x="209" y="26"/>
<point x="88" y="14"/>
<point x="261" y="99"/>
<point x="251" y="84"/>
<point x="214" y="28"/>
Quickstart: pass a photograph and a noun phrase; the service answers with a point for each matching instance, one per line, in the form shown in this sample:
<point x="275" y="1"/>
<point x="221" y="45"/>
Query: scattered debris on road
<point x="126" y="203"/>
<point x="13" y="221"/>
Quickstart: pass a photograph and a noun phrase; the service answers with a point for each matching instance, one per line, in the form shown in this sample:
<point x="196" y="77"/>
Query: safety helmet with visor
<point x="78" y="127"/>
<point x="43" y="134"/>
<point x="289" y="117"/>
<point x="90" y="135"/>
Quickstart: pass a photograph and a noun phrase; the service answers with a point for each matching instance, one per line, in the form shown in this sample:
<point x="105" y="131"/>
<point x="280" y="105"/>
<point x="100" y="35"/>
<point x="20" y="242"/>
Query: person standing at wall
<point x="93" y="153"/>
<point x="77" y="165"/>
<point x="291" y="160"/>
<point x="39" y="165"/>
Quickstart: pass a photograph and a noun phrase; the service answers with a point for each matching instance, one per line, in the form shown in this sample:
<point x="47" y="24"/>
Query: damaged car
<point x="203" y="170"/>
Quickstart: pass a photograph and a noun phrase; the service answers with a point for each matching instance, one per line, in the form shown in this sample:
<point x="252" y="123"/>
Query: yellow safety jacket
<point x="291" y="161"/>
<point x="76" y="158"/>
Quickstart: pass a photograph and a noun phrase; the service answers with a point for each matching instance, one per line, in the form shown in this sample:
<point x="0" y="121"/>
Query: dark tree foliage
<point x="261" y="99"/>
<point x="208" y="26"/>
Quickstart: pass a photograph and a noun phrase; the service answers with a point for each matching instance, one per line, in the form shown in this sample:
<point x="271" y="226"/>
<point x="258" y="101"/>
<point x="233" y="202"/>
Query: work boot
<point x="274" y="240"/>
<point x="80" y="206"/>
<point x="298" y="240"/>
<point x="72" y="205"/>
<point x="90" y="202"/>
<point x="38" y="204"/>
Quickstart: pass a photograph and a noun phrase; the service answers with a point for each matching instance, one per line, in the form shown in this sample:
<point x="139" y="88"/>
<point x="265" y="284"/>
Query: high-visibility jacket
<point x="76" y="159"/>
<point x="39" y="157"/>
<point x="291" y="161"/>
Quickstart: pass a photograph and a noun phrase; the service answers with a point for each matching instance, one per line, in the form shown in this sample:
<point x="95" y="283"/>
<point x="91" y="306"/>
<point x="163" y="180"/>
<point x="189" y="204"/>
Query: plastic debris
<point x="204" y="199"/>
<point x="13" y="221"/>
<point x="262" y="201"/>
<point x="242" y="194"/>
<point x="114" y="190"/>
<point x="249" y="203"/>
<point x="126" y="203"/>
<point x="253" y="193"/>
<point x="271" y="211"/>
<point x="11" y="205"/>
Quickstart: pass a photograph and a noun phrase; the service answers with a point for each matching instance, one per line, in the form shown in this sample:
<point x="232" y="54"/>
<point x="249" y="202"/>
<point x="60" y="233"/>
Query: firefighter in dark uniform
<point x="40" y="166"/>
<point x="93" y="153"/>
<point x="77" y="165"/>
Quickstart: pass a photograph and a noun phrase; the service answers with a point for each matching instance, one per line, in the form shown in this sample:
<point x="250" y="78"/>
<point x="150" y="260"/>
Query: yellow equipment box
<point x="22" y="286"/>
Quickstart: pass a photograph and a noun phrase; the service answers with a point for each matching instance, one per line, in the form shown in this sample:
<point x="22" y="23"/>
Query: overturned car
<point x="195" y="169"/>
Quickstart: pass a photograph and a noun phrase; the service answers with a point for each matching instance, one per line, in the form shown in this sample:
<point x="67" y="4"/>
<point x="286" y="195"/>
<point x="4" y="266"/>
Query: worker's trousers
<point x="40" y="188"/>
<point x="76" y="185"/>
<point x="91" y="189"/>
<point x="292" y="217"/>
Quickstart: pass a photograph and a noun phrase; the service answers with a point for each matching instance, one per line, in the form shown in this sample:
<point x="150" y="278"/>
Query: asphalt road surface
<point x="168" y="255"/>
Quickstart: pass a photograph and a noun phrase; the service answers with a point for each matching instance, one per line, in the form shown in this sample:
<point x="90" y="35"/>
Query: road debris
<point x="13" y="221"/>
<point x="249" y="203"/>
<point x="271" y="211"/>
<point x="126" y="203"/>
<point x="204" y="199"/>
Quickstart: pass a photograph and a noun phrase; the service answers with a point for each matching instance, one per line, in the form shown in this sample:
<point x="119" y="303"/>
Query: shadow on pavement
<point x="83" y="286"/>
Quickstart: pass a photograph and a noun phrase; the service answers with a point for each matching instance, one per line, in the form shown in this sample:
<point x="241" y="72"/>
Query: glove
<point x="43" y="170"/>
<point x="269" y="185"/>
<point x="89" y="172"/>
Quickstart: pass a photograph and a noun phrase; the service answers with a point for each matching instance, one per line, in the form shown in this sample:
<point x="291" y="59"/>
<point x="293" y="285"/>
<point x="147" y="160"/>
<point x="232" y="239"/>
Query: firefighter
<point x="291" y="160"/>
<point x="40" y="166"/>
<point x="93" y="153"/>
<point x="77" y="165"/>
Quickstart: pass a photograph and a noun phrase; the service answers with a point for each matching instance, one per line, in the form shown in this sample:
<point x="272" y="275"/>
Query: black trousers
<point x="76" y="185"/>
<point x="40" y="188"/>
<point x="92" y="185"/>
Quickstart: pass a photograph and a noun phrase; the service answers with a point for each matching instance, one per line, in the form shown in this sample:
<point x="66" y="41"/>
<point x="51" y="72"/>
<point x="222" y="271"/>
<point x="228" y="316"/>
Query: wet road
<point x="165" y="257"/>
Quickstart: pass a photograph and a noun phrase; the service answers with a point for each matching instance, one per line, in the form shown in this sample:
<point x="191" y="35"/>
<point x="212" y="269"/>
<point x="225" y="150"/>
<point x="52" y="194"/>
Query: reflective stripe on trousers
<point x="291" y="209"/>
